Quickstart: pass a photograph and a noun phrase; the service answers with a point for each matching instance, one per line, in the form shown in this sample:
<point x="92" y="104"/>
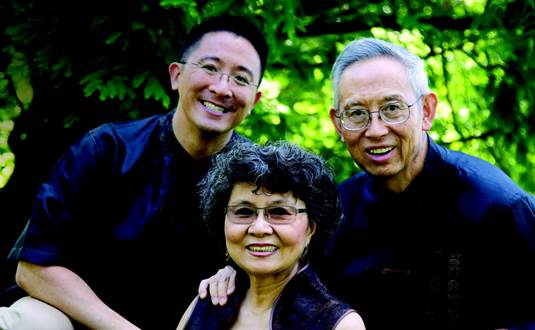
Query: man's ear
<point x="429" y="105"/>
<point x="336" y="122"/>
<point x="175" y="69"/>
<point x="256" y="99"/>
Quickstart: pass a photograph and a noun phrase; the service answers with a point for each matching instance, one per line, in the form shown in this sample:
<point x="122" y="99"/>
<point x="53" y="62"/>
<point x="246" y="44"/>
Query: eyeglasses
<point x="275" y="215"/>
<point x="393" y="112"/>
<point x="212" y="71"/>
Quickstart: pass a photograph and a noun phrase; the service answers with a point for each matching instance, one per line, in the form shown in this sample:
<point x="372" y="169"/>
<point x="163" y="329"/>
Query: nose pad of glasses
<point x="373" y="122"/>
<point x="378" y="117"/>
<point x="261" y="213"/>
<point x="261" y="220"/>
<point x="220" y="76"/>
<point x="222" y="85"/>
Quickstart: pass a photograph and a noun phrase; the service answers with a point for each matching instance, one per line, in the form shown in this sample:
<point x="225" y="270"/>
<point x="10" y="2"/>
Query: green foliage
<point x="478" y="55"/>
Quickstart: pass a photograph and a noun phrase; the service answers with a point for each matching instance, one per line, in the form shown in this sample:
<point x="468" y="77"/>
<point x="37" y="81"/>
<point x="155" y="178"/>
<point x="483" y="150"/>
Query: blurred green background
<point x="66" y="67"/>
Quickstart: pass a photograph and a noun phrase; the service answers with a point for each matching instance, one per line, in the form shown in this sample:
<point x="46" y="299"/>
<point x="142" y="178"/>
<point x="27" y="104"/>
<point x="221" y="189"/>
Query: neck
<point x="264" y="290"/>
<point x="198" y="143"/>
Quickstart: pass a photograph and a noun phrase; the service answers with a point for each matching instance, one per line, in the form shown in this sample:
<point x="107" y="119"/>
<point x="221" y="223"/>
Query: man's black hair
<point x="235" y="24"/>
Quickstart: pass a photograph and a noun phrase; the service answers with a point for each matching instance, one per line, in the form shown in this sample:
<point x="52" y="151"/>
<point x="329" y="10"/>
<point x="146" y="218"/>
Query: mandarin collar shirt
<point x="454" y="250"/>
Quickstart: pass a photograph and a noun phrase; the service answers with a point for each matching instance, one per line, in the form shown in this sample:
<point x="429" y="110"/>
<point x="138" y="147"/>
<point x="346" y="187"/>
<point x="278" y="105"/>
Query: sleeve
<point x="523" y="211"/>
<point x="59" y="202"/>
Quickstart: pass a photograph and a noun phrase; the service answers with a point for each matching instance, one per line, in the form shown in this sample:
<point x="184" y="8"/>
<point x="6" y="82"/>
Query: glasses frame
<point x="340" y="116"/>
<point x="267" y="218"/>
<point x="220" y="73"/>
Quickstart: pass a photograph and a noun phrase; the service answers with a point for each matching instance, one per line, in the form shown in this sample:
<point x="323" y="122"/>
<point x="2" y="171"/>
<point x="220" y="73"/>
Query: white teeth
<point x="262" y="248"/>
<point x="214" y="107"/>
<point x="380" y="150"/>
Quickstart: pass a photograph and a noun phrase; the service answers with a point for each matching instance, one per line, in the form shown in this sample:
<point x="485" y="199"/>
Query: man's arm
<point x="219" y="286"/>
<point x="62" y="288"/>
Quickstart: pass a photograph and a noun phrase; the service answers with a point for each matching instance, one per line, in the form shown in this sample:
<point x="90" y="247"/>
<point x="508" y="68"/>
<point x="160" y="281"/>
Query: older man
<point x="432" y="238"/>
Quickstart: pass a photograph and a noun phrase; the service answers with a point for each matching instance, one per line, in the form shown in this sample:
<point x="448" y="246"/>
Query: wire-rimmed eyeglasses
<point x="213" y="71"/>
<point x="391" y="112"/>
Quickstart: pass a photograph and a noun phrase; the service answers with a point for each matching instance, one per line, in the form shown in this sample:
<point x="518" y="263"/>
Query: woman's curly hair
<point x="277" y="167"/>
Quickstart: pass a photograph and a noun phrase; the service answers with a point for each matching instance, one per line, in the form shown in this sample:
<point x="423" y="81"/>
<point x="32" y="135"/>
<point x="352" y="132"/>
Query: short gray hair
<point x="367" y="48"/>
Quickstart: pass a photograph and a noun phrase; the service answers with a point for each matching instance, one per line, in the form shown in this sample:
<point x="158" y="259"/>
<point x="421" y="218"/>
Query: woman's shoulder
<point x="350" y="321"/>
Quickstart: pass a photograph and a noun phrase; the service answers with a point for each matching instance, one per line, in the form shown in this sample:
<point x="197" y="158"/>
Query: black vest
<point x="304" y="303"/>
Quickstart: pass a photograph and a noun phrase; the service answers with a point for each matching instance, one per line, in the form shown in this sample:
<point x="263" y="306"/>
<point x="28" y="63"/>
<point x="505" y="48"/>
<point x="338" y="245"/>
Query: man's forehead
<point x="221" y="46"/>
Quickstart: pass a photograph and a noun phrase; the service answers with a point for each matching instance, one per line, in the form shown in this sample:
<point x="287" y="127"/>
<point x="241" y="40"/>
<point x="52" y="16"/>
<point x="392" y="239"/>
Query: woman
<point x="272" y="208"/>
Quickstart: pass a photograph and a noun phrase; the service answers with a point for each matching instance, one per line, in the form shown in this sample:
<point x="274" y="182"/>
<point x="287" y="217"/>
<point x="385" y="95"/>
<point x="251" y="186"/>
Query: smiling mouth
<point x="267" y="248"/>
<point x="380" y="151"/>
<point x="214" y="108"/>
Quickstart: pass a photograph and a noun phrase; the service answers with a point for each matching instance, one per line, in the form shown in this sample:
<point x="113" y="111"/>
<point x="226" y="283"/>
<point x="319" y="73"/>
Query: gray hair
<point x="367" y="48"/>
<point x="277" y="167"/>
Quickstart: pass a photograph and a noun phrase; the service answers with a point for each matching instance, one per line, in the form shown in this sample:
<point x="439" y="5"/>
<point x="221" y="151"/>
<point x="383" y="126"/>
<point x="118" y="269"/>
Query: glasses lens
<point x="274" y="214"/>
<point x="355" y="118"/>
<point x="281" y="214"/>
<point x="241" y="214"/>
<point x="240" y="80"/>
<point x="394" y="113"/>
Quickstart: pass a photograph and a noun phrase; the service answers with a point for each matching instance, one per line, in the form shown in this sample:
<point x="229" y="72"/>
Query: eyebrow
<point x="277" y="202"/>
<point x="394" y="97"/>
<point x="218" y="60"/>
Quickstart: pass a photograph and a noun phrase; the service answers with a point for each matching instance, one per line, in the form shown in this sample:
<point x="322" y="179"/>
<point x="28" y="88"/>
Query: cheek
<point x="247" y="95"/>
<point x="407" y="133"/>
<point x="352" y="141"/>
<point x="245" y="100"/>
<point x="297" y="236"/>
<point x="232" y="234"/>
<point x="190" y="84"/>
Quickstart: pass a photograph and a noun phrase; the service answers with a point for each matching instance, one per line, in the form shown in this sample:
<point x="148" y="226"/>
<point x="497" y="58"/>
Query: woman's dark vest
<point x="304" y="303"/>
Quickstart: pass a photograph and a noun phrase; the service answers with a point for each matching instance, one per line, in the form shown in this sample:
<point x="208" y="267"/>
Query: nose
<point x="376" y="126"/>
<point x="221" y="85"/>
<point x="260" y="226"/>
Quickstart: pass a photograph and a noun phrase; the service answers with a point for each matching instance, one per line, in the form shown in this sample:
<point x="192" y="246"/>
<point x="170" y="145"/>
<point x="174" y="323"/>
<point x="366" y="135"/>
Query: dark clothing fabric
<point x="455" y="250"/>
<point x="121" y="211"/>
<point x="305" y="303"/>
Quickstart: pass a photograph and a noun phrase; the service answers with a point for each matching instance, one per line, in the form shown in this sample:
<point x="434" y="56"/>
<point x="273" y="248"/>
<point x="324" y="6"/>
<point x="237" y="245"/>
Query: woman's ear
<point x="310" y="231"/>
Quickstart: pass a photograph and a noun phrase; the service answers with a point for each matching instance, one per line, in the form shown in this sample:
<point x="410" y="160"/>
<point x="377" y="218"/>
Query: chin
<point x="381" y="171"/>
<point x="214" y="129"/>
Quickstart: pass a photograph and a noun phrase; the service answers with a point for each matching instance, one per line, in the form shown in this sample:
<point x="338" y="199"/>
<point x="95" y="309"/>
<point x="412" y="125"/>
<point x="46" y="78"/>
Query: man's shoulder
<point x="130" y="128"/>
<point x="117" y="141"/>
<point x="477" y="175"/>
<point x="134" y="135"/>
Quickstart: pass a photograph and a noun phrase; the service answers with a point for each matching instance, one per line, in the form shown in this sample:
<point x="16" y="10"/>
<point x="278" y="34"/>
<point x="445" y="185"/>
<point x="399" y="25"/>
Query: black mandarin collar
<point x="176" y="151"/>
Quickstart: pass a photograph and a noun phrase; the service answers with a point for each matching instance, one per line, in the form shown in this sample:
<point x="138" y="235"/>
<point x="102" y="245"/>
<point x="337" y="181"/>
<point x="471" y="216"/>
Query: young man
<point x="110" y="239"/>
<point x="431" y="238"/>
